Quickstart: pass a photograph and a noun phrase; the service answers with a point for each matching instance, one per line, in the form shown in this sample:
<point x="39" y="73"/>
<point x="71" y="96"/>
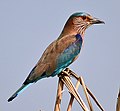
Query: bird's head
<point x="79" y="22"/>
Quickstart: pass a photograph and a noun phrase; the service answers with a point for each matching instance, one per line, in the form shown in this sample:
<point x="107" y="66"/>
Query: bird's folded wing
<point x="38" y="72"/>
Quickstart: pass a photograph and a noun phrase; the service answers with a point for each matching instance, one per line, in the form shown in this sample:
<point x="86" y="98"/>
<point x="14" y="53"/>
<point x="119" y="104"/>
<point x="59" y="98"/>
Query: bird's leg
<point x="65" y="73"/>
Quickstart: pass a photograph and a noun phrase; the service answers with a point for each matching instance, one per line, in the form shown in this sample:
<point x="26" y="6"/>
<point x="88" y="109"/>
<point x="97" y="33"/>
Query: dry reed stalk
<point x="59" y="95"/>
<point x="64" y="78"/>
<point x="72" y="97"/>
<point x="88" y="90"/>
<point x="118" y="102"/>
<point x="86" y="94"/>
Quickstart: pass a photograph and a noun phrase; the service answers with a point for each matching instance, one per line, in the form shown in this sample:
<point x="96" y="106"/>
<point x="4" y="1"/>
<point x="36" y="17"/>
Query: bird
<point x="61" y="52"/>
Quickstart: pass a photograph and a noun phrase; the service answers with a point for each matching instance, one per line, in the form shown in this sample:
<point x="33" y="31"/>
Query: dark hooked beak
<point x="96" y="21"/>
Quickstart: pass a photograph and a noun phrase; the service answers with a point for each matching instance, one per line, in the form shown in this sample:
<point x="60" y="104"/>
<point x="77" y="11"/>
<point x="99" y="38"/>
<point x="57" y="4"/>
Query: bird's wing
<point x="58" y="55"/>
<point x="37" y="73"/>
<point x="69" y="53"/>
<point x="50" y="56"/>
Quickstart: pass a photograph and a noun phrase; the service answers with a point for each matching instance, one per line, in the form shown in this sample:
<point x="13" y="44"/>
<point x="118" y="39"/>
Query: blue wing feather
<point x="67" y="56"/>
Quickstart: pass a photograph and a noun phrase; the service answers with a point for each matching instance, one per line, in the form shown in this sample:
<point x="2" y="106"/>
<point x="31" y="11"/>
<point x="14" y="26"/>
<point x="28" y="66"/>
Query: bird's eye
<point x="84" y="17"/>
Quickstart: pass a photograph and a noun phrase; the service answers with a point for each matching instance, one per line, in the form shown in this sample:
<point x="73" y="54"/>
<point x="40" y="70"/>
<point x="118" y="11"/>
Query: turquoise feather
<point x="68" y="55"/>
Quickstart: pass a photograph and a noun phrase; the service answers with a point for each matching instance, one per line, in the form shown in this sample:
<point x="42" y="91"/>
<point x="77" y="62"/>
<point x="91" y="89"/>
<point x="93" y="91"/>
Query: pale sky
<point x="27" y="27"/>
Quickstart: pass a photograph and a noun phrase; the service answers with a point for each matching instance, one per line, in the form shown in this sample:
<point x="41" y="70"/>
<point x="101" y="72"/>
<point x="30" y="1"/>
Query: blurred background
<point x="27" y="27"/>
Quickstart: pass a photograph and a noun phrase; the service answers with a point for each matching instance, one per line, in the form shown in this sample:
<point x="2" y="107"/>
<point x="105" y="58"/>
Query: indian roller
<point x="61" y="52"/>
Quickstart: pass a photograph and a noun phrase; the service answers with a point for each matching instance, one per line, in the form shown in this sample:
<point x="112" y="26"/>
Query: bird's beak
<point x="96" y="21"/>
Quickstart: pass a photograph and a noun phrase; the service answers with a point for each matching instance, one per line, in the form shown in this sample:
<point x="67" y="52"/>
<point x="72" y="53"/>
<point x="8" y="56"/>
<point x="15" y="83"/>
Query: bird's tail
<point x="20" y="90"/>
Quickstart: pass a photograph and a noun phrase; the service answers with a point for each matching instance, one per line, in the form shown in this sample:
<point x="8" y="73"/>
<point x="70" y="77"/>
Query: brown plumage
<point x="62" y="52"/>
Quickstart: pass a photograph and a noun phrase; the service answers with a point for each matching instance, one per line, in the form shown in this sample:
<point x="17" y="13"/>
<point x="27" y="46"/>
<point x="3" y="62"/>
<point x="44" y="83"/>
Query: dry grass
<point x="118" y="102"/>
<point x="64" y="78"/>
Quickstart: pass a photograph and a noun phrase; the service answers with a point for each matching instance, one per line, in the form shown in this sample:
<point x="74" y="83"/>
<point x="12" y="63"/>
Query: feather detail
<point x="20" y="90"/>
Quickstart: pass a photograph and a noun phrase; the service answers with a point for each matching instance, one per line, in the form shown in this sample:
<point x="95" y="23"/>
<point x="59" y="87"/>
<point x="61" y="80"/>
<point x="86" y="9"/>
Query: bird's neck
<point x="71" y="29"/>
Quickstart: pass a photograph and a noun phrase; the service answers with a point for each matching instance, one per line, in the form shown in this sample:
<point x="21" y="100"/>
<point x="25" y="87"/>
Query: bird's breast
<point x="79" y="39"/>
